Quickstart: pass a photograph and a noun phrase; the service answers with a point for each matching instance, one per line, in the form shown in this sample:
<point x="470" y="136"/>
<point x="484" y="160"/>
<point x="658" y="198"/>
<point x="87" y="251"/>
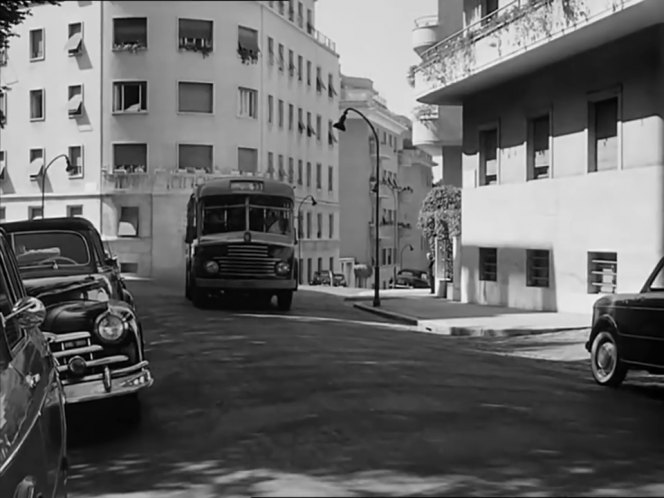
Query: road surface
<point x="329" y="401"/>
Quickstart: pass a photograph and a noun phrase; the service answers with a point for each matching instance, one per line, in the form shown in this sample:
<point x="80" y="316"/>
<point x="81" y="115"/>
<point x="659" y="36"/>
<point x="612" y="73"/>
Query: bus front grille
<point x="246" y="261"/>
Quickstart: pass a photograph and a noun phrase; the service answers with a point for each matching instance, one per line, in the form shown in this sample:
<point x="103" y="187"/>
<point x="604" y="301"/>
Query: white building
<point x="148" y="97"/>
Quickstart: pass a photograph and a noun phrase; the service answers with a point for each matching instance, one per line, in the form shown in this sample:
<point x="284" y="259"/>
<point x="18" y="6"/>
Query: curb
<point x="424" y="326"/>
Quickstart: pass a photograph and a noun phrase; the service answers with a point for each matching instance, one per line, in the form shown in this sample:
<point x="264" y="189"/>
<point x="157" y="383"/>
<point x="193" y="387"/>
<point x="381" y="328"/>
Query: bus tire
<point x="285" y="300"/>
<point x="199" y="297"/>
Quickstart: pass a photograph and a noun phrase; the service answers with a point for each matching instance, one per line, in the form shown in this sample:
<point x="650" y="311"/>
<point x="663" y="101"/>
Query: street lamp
<point x="43" y="176"/>
<point x="341" y="126"/>
<point x="409" y="246"/>
<point x="299" y="228"/>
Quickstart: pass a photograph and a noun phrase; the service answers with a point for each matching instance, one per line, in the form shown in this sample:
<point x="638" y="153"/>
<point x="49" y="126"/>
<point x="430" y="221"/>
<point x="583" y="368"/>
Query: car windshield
<point x="267" y="214"/>
<point x="52" y="249"/>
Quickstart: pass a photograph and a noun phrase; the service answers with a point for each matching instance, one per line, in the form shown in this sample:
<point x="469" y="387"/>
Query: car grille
<point x="66" y="346"/>
<point x="246" y="261"/>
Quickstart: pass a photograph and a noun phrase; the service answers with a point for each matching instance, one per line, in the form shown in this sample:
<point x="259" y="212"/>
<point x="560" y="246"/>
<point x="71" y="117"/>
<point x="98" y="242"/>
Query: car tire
<point x="284" y="300"/>
<point x="606" y="365"/>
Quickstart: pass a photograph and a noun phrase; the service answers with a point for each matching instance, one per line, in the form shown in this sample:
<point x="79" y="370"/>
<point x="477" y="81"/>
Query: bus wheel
<point x="187" y="286"/>
<point x="200" y="297"/>
<point x="285" y="300"/>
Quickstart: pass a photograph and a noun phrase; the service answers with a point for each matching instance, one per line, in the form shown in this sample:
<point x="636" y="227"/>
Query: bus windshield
<point x="268" y="214"/>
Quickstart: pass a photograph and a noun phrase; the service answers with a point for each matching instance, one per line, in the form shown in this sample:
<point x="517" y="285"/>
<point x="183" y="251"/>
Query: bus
<point x="241" y="239"/>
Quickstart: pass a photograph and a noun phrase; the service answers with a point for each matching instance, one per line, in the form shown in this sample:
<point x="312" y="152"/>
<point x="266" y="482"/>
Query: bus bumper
<point x="228" y="284"/>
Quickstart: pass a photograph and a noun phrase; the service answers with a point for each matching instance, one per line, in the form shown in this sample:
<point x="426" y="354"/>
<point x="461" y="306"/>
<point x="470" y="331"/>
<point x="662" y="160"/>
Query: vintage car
<point x="321" y="278"/>
<point x="628" y="332"/>
<point x="33" y="430"/>
<point x="339" y="280"/>
<point x="91" y="322"/>
<point x="412" y="279"/>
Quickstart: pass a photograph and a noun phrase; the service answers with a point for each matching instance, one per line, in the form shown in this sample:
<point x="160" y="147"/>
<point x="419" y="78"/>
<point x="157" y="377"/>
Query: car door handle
<point x="32" y="380"/>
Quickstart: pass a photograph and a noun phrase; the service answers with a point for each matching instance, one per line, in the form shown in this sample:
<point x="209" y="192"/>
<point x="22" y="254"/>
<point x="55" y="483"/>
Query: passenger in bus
<point x="277" y="223"/>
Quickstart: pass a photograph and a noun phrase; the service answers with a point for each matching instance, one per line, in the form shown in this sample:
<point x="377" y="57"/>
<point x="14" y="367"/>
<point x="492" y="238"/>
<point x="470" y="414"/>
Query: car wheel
<point x="607" y="367"/>
<point x="284" y="300"/>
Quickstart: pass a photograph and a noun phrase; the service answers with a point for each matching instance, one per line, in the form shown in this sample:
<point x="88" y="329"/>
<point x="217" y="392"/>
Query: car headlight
<point x="211" y="267"/>
<point x="282" y="268"/>
<point x="110" y="327"/>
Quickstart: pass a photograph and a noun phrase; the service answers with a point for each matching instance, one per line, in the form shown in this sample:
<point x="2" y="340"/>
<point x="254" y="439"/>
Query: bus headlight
<point x="211" y="267"/>
<point x="282" y="268"/>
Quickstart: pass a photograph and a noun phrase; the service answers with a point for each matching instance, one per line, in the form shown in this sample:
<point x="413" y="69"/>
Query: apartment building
<point x="405" y="178"/>
<point x="149" y="98"/>
<point x="563" y="147"/>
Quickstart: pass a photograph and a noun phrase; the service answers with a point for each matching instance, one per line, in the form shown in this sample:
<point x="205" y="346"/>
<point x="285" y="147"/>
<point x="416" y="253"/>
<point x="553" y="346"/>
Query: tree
<point x="13" y="13"/>
<point x="440" y="216"/>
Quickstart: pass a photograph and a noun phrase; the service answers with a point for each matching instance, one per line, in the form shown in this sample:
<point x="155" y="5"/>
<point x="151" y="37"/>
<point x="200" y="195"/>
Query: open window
<point x="195" y="35"/>
<point x="36" y="167"/>
<point x="128" y="223"/>
<point x="130" y="96"/>
<point x="75" y="153"/>
<point x="130" y="33"/>
<point x="75" y="101"/>
<point x="74" y="44"/>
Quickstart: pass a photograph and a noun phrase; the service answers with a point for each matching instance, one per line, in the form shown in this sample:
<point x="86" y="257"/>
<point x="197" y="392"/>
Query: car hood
<point x="615" y="299"/>
<point x="48" y="287"/>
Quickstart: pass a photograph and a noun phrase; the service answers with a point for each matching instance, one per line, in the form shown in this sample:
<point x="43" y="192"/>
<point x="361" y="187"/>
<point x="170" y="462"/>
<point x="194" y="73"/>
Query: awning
<point x="74" y="43"/>
<point x="36" y="167"/>
<point x="75" y="104"/>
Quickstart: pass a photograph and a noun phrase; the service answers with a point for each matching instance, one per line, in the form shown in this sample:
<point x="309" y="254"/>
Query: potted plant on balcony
<point x="410" y="77"/>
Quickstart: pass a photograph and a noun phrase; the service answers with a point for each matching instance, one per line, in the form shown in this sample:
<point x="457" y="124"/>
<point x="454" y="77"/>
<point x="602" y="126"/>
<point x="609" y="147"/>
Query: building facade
<point x="563" y="147"/>
<point x="405" y="178"/>
<point x="147" y="99"/>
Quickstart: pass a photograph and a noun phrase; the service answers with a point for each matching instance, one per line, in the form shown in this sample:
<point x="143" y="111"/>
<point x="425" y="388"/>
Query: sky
<point x="373" y="40"/>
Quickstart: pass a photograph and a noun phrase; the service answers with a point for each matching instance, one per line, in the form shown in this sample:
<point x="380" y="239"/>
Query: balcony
<point x="521" y="37"/>
<point x="425" y="33"/>
<point x="414" y="157"/>
<point x="324" y="41"/>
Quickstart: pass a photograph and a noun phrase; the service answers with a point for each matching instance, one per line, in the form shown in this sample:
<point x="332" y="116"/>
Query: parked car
<point x="339" y="280"/>
<point x="33" y="429"/>
<point x="91" y="322"/>
<point x="321" y="278"/>
<point x="628" y="332"/>
<point x="412" y="279"/>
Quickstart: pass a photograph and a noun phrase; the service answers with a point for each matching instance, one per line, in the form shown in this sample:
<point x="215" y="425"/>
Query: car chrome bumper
<point x="109" y="384"/>
<point x="228" y="284"/>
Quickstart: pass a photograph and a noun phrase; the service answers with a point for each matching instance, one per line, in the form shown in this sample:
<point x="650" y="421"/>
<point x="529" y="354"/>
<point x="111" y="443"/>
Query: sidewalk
<point x="440" y="316"/>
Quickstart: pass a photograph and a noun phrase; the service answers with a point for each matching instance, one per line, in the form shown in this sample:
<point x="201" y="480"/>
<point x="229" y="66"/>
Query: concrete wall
<point x="574" y="212"/>
<point x="419" y="178"/>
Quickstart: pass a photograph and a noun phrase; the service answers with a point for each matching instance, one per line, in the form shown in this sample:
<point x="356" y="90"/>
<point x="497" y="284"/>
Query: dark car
<point x="91" y="323"/>
<point x="338" y="280"/>
<point x="33" y="430"/>
<point x="412" y="279"/>
<point x="628" y="332"/>
<point x="321" y="278"/>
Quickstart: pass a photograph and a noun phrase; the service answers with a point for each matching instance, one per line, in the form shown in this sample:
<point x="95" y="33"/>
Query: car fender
<point x="604" y="321"/>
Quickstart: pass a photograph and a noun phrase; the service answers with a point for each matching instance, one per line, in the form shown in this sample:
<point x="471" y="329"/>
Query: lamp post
<point x="43" y="176"/>
<point x="299" y="229"/>
<point x="409" y="246"/>
<point x="341" y="126"/>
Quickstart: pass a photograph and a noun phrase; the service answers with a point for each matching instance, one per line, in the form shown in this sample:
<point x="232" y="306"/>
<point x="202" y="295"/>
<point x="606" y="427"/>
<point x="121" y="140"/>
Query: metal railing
<point x="324" y="40"/>
<point x="160" y="180"/>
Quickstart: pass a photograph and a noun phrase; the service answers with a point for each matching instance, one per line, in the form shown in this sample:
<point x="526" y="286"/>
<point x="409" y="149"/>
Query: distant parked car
<point x="321" y="278"/>
<point x="339" y="280"/>
<point x="628" y="332"/>
<point x="412" y="279"/>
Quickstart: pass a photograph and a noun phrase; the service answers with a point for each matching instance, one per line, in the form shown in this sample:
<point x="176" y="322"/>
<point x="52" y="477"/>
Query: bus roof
<point x="222" y="186"/>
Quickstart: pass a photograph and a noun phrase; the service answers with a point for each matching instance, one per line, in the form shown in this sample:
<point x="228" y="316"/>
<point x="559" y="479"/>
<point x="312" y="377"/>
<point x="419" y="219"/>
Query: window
<point x="331" y="226"/>
<point x="331" y="139"/>
<point x="300" y="267"/>
<point x="291" y="63"/>
<point x="539" y="158"/>
<point x="270" y="108"/>
<point x="34" y="212"/>
<point x="75" y="101"/>
<point x="383" y="258"/>
<point x="488" y="7"/>
<point x="308" y="225"/>
<point x="37" y="45"/>
<point x="489" y="157"/>
<point x="331" y="92"/>
<point x="270" y="50"/>
<point x="308" y="174"/>
<point x="127" y="267"/>
<point x="330" y="178"/>
<point x="299" y="172"/>
<point x="195" y="35"/>
<point x="36" y="163"/>
<point x="280" y="57"/>
<point x="603" y="151"/>
<point x="195" y="157"/>
<point x="130" y="33"/>
<point x="319" y="127"/>
<point x="537" y="268"/>
<point x="300" y="14"/>
<point x="73" y="211"/>
<point x="281" y="7"/>
<point x="131" y="157"/>
<point x="319" y="224"/>
<point x="299" y="68"/>
<point x="3" y="163"/>
<point x="488" y="264"/>
<point x="309" y="73"/>
<point x="319" y="175"/>
<point x="280" y="113"/>
<point x="602" y="272"/>
<point x="290" y="117"/>
<point x="37" y="111"/>
<point x="300" y="121"/>
<point x="320" y="86"/>
<point x="128" y="225"/>
<point x="310" y="22"/>
<point x="319" y="264"/>
<point x="247" y="40"/>
<point x="270" y="164"/>
<point x="75" y="39"/>
<point x="291" y="170"/>
<point x="291" y="11"/>
<point x="130" y="96"/>
<point x="195" y="97"/>
<point x="75" y="154"/>
<point x="247" y="160"/>
<point x="282" y="173"/>
<point x="3" y="105"/>
<point x="309" y="270"/>
<point x="247" y="103"/>
<point x="310" y="130"/>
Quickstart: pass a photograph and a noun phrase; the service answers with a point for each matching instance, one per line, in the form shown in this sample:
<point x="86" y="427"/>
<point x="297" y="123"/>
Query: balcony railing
<point x="426" y="21"/>
<point x="324" y="40"/>
<point x="426" y="112"/>
<point x="157" y="181"/>
<point x="515" y="27"/>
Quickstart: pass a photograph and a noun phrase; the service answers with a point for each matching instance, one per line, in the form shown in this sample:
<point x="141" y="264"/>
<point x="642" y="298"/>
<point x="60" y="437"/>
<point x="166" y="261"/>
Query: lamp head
<point x="341" y="124"/>
<point x="70" y="168"/>
<point x="313" y="201"/>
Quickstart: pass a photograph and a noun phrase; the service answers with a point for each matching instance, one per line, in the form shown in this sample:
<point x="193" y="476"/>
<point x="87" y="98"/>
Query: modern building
<point x="437" y="128"/>
<point x="563" y="147"/>
<point x="405" y="178"/>
<point x="148" y="98"/>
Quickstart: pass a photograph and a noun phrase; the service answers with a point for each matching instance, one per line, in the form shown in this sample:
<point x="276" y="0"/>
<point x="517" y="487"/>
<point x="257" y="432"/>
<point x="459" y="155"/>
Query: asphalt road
<point x="327" y="401"/>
